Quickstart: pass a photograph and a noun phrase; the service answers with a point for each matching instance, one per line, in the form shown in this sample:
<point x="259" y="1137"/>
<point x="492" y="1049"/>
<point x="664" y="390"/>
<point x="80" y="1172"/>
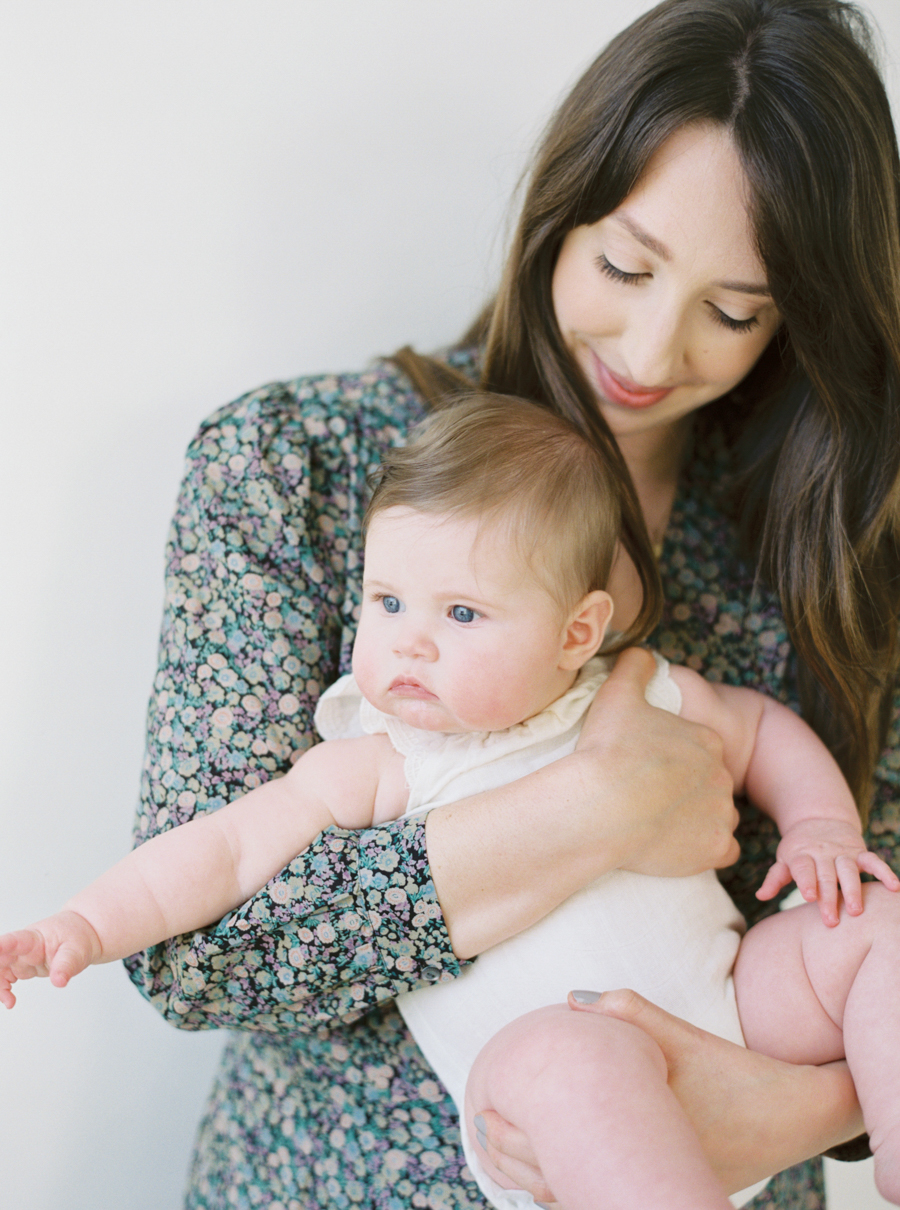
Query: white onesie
<point x="674" y="940"/>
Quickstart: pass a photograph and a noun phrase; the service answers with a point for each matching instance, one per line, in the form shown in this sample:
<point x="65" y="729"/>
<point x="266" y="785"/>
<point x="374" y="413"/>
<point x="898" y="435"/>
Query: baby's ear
<point x="586" y="629"/>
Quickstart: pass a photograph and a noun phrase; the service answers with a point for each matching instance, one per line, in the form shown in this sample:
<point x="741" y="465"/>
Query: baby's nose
<point x="414" y="642"/>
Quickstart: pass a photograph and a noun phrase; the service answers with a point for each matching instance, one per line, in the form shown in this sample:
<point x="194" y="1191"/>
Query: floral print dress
<point x="323" y="1101"/>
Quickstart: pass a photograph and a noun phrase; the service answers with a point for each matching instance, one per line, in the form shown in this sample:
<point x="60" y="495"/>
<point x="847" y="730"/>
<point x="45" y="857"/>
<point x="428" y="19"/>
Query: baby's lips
<point x="409" y="686"/>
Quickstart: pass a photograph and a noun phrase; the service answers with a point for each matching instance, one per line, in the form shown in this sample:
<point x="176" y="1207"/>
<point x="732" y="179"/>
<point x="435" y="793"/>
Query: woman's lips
<point x="408" y="686"/>
<point x="620" y="390"/>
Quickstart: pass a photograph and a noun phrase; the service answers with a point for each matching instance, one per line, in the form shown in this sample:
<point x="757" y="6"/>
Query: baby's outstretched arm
<point x="786" y="771"/>
<point x="192" y="875"/>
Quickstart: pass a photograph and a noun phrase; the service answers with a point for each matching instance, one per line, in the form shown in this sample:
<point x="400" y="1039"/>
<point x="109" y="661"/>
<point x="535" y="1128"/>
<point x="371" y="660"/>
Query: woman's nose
<point x="654" y="345"/>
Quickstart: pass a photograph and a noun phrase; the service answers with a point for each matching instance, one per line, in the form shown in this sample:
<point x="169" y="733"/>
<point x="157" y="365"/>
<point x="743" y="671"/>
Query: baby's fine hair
<point x="518" y="465"/>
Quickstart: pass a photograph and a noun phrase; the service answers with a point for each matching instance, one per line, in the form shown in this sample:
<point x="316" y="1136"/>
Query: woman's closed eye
<point x="732" y="324"/>
<point x="462" y="613"/>
<point x="721" y="317"/>
<point x="606" y="266"/>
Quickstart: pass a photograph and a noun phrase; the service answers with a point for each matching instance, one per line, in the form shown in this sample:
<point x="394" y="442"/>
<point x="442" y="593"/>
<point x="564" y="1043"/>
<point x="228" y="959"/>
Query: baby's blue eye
<point x="462" y="613"/>
<point x="391" y="604"/>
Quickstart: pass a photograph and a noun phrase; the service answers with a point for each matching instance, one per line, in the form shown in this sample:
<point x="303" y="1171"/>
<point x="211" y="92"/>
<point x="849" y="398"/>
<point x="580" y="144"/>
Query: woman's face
<point x="664" y="302"/>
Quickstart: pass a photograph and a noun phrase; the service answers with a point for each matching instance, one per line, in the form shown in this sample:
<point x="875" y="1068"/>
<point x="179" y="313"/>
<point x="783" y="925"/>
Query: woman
<point x="712" y="220"/>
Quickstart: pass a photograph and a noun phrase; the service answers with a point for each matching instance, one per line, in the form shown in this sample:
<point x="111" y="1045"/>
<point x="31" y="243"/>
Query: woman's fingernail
<point x="479" y="1123"/>
<point x="582" y="997"/>
<point x="543" y="1205"/>
<point x="482" y="1139"/>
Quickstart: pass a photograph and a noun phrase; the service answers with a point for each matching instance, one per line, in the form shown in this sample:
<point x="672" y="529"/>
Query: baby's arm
<point x="192" y="875"/>
<point x="783" y="767"/>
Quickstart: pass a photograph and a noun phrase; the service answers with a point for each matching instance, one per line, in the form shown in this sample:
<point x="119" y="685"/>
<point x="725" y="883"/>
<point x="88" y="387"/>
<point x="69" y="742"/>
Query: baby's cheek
<point x="365" y="666"/>
<point x="490" y="696"/>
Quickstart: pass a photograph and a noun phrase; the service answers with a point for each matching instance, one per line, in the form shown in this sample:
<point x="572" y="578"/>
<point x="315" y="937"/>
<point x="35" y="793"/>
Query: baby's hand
<point x="60" y="946"/>
<point x="821" y="856"/>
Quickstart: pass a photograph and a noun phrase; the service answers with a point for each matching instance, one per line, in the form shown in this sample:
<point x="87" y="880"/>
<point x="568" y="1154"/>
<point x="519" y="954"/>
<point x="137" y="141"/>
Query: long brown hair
<point x="816" y="424"/>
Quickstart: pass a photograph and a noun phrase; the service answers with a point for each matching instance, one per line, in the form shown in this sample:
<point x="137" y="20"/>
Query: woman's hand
<point x="676" y="814"/>
<point x="645" y="791"/>
<point x="754" y="1115"/>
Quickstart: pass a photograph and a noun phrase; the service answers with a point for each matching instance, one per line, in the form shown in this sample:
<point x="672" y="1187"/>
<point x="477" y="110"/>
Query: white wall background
<point x="199" y="196"/>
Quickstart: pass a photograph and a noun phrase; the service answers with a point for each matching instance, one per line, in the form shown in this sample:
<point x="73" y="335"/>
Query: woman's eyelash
<point x="610" y="270"/>
<point x="735" y="325"/>
<point x="630" y="279"/>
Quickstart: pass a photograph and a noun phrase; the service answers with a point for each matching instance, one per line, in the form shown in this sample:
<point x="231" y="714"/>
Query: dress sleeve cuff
<point x="353" y="921"/>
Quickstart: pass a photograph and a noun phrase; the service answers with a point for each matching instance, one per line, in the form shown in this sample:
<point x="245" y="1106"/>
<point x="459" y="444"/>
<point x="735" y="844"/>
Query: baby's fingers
<point x="24" y="953"/>
<point x="803" y="871"/>
<point x="68" y="961"/>
<point x="778" y="876"/>
<point x="851" y="887"/>
<point x="7" y="999"/>
<point x="826" y="877"/>
<point x="870" y="864"/>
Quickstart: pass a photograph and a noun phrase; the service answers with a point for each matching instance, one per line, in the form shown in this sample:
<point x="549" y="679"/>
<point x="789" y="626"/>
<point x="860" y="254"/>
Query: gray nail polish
<point x="482" y="1139"/>
<point x="543" y="1205"/>
<point x="479" y="1123"/>
<point x="582" y="997"/>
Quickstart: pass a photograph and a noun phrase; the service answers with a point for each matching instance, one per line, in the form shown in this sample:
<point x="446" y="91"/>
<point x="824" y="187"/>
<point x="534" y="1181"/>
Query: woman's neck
<point x="654" y="459"/>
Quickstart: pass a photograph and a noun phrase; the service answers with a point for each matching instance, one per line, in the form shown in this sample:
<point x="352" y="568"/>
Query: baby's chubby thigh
<point x="793" y="976"/>
<point x="552" y="1071"/>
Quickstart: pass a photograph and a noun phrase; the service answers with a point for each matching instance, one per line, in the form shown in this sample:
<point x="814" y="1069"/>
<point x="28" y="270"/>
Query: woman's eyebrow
<point x="643" y="237"/>
<point x="655" y="245"/>
<point x="743" y="287"/>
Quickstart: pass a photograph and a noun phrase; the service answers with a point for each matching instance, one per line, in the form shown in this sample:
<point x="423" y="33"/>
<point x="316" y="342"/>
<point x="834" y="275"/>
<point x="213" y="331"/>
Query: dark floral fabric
<point x="323" y="1100"/>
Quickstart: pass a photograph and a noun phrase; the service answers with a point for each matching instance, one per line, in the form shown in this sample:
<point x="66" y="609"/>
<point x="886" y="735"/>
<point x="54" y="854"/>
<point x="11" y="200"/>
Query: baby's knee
<point x="594" y="1041"/>
<point x="557" y="1047"/>
<point x="546" y="1064"/>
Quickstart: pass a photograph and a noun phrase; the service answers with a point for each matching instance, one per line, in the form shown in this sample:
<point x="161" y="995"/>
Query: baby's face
<point x="455" y="634"/>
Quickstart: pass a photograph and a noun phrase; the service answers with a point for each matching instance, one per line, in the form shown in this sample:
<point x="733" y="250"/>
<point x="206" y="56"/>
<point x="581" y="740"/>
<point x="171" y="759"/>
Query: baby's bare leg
<point x="811" y="994"/>
<point x="591" y="1095"/>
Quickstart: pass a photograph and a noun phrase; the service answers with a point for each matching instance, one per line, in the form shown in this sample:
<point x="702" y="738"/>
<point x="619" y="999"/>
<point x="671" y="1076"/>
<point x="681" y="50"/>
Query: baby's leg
<point x="811" y="994"/>
<point x="591" y="1095"/>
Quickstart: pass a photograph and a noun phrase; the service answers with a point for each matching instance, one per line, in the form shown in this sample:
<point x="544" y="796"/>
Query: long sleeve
<point x="262" y="593"/>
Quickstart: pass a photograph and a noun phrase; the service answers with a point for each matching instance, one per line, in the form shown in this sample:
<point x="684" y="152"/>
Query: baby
<point x="489" y="542"/>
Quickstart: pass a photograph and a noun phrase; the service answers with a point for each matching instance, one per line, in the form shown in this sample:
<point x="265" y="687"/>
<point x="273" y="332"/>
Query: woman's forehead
<point x="693" y="199"/>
